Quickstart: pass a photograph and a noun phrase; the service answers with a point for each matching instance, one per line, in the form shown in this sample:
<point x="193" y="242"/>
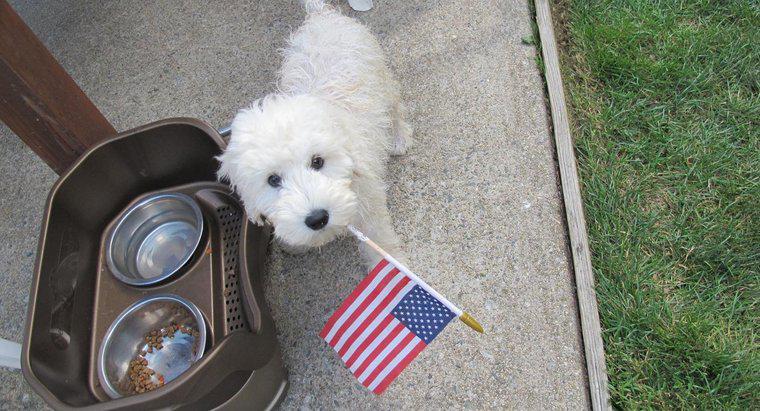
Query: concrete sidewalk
<point x="476" y="199"/>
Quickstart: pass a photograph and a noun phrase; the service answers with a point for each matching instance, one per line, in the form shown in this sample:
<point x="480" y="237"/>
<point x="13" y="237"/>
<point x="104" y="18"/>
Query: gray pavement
<point x="476" y="200"/>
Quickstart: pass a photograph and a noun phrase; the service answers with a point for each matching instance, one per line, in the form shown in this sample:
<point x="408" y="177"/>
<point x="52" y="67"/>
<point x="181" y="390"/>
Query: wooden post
<point x="39" y="101"/>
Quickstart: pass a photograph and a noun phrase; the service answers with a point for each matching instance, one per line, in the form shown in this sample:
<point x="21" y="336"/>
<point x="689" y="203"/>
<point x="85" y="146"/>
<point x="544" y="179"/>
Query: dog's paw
<point x="401" y="144"/>
<point x="399" y="147"/>
<point x="402" y="139"/>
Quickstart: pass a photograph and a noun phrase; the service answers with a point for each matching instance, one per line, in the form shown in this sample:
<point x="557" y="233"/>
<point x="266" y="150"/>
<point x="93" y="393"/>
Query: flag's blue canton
<point x="422" y="314"/>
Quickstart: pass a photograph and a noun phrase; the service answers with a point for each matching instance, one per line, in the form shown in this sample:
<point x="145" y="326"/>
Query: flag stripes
<point x="375" y="342"/>
<point x="359" y="291"/>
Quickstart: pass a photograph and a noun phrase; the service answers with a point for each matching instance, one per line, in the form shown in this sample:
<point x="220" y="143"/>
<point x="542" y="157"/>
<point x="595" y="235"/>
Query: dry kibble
<point x="142" y="378"/>
<point x="139" y="375"/>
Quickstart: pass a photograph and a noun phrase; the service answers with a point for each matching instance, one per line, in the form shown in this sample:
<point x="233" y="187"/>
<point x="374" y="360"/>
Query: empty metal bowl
<point x="154" y="238"/>
<point x="127" y="340"/>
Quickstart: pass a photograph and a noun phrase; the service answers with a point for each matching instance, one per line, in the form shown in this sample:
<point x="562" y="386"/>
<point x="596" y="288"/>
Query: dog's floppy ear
<point x="234" y="162"/>
<point x="229" y="173"/>
<point x="242" y="133"/>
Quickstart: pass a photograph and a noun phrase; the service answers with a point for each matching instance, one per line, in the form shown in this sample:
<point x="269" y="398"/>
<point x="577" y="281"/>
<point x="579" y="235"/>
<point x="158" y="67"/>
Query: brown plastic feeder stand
<point x="74" y="296"/>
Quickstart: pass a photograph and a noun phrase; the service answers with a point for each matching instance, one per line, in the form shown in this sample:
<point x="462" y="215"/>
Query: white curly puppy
<point x="311" y="158"/>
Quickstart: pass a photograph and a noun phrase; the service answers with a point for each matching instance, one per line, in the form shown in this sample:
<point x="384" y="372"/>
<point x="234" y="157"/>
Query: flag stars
<point x="422" y="314"/>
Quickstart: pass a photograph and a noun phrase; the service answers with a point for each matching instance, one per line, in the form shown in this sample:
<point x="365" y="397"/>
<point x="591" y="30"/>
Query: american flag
<point x="383" y="325"/>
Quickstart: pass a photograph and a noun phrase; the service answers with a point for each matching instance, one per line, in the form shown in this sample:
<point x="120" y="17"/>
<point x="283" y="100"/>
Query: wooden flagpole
<point x="463" y="316"/>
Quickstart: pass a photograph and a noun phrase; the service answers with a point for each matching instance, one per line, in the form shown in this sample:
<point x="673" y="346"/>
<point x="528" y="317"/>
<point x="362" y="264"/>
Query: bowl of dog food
<point x="154" y="238"/>
<point x="150" y="344"/>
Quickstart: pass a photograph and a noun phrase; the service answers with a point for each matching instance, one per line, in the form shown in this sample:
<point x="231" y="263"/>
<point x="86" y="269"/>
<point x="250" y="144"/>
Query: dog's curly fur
<point x="337" y="100"/>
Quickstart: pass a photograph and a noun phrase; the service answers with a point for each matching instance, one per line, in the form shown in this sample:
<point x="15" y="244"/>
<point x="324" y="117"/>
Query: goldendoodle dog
<point x="310" y="158"/>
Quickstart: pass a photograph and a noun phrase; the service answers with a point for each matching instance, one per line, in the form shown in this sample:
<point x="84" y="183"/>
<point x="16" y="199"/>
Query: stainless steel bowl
<point x="125" y="341"/>
<point x="154" y="238"/>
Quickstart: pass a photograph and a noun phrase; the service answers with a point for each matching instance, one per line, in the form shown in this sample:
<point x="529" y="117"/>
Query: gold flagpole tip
<point x="471" y="322"/>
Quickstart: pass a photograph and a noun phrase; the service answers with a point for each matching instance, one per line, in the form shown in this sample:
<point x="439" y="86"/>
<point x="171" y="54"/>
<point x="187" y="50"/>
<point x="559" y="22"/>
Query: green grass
<point x="665" y="104"/>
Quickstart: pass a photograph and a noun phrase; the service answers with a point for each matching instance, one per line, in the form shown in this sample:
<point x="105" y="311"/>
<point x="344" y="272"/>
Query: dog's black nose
<point x="317" y="219"/>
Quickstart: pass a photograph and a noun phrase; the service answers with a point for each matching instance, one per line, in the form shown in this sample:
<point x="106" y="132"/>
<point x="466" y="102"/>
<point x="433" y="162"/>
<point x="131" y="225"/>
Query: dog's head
<point x="289" y="160"/>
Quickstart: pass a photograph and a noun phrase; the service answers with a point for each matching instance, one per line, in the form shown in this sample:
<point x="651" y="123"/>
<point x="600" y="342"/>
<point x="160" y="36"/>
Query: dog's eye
<point x="317" y="162"/>
<point x="274" y="180"/>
